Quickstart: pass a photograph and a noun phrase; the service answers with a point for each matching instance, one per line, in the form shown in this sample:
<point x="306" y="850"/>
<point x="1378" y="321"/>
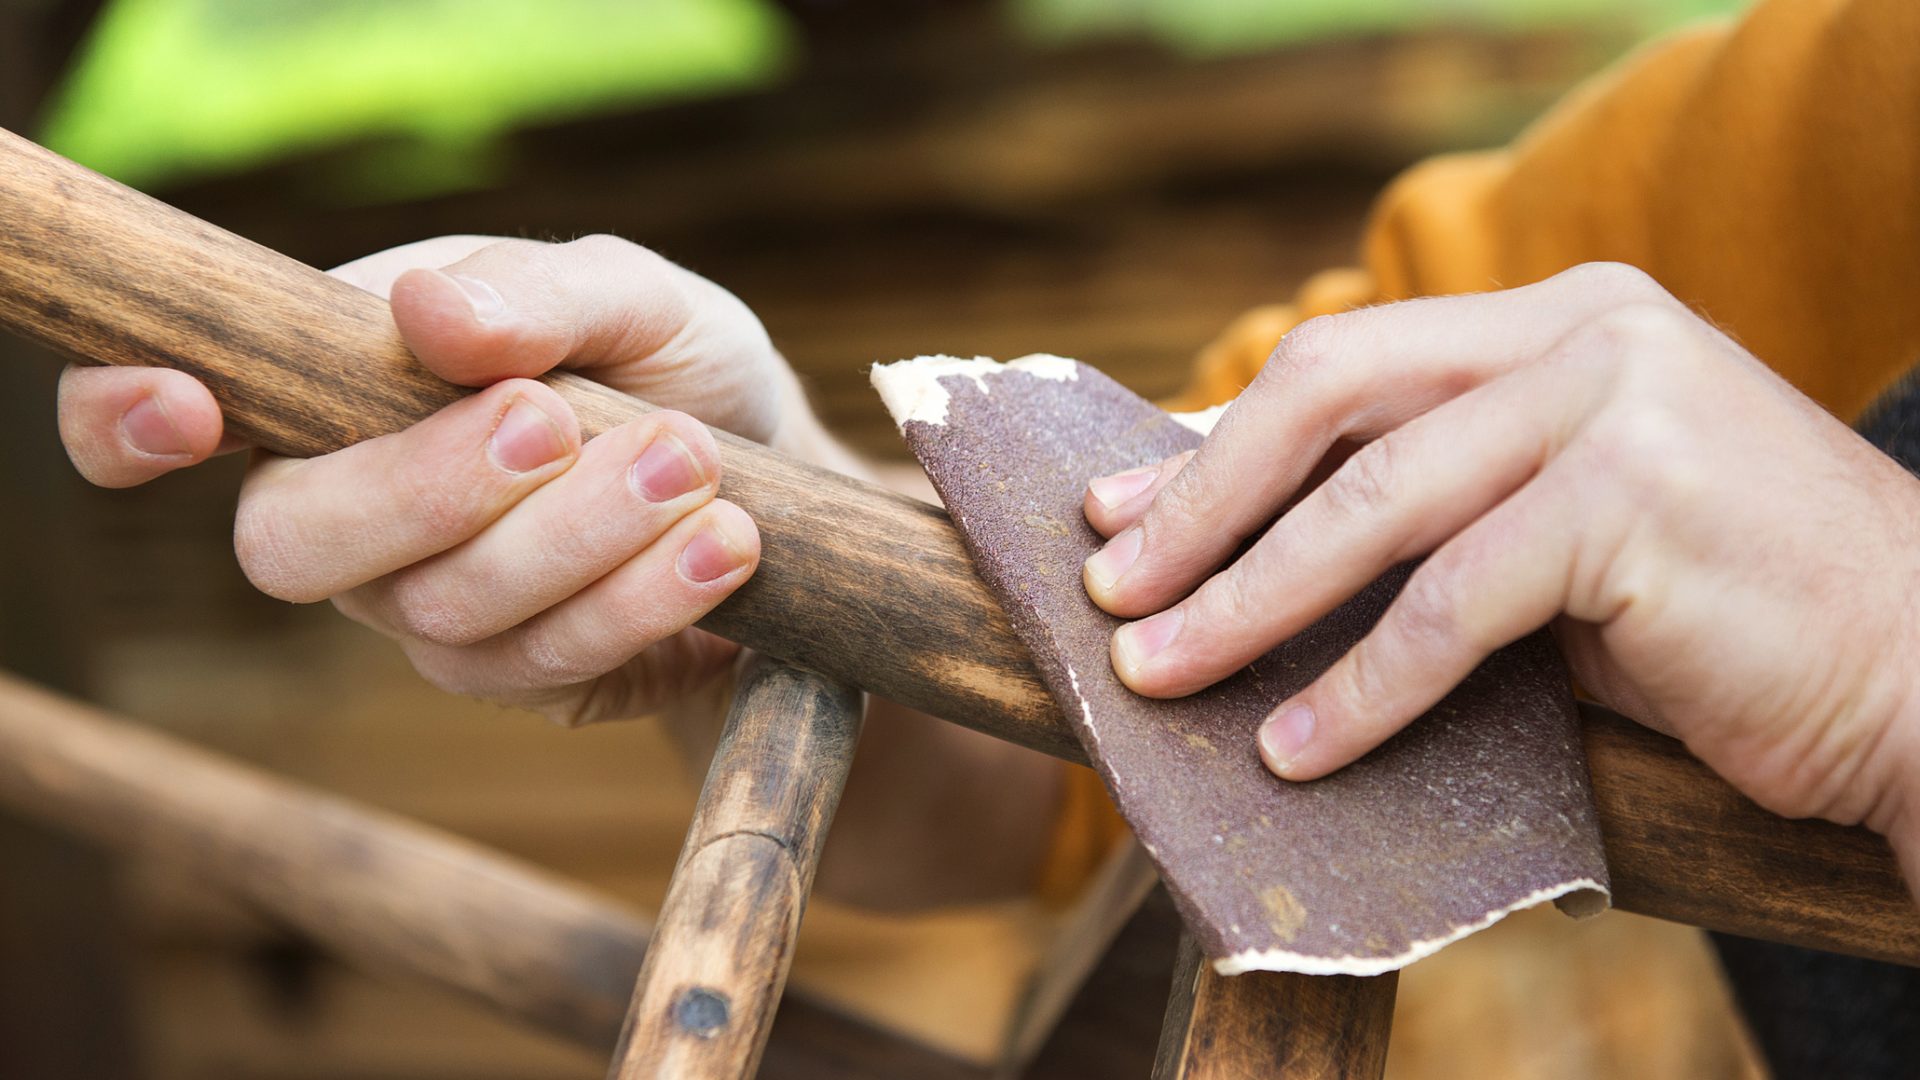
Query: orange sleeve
<point x="1765" y="172"/>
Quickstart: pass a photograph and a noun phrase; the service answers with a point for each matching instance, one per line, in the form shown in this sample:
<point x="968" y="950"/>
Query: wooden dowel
<point x="857" y="583"/>
<point x="1271" y="1025"/>
<point x="381" y="892"/>
<point x="706" y="996"/>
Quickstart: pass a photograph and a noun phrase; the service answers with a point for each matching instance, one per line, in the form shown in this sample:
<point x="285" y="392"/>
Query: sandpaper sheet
<point x="1477" y="809"/>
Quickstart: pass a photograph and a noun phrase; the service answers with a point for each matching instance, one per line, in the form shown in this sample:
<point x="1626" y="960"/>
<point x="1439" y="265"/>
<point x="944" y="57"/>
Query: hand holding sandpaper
<point x="1477" y="810"/>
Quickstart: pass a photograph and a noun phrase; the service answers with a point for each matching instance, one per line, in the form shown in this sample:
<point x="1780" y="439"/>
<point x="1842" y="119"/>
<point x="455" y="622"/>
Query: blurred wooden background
<point x="923" y="184"/>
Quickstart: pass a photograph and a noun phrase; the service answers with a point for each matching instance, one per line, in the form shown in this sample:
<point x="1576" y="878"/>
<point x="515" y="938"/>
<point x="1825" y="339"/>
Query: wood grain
<point x="707" y="993"/>
<point x="856" y="583"/>
<point x="1268" y="1024"/>
<point x="381" y="892"/>
<point x="1685" y="846"/>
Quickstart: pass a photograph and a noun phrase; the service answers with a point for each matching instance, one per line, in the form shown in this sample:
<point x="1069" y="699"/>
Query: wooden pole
<point x="1266" y="1024"/>
<point x="1684" y="845"/>
<point x="377" y="890"/>
<point x="706" y="996"/>
<point x="304" y="363"/>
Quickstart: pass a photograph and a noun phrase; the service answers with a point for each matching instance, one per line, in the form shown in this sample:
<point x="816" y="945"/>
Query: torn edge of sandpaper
<point x="1478" y="809"/>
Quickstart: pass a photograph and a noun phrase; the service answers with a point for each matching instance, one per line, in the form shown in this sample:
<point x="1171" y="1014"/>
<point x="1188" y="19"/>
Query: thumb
<point x="519" y="308"/>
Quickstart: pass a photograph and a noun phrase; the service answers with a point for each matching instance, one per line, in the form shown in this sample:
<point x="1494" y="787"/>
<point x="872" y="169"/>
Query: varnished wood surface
<point x="857" y="583"/>
<point x="1685" y="846"/>
<point x="712" y="979"/>
<point x="1272" y="1026"/>
<point x="379" y="891"/>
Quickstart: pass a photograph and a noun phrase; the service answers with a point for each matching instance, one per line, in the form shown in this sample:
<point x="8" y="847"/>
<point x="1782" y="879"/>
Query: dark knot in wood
<point x="701" y="1012"/>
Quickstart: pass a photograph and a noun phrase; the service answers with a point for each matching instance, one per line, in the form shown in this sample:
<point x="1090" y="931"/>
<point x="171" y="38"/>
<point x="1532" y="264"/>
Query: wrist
<point x="1901" y="803"/>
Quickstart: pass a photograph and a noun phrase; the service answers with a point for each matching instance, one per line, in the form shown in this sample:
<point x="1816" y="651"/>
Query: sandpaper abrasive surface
<point x="1477" y="809"/>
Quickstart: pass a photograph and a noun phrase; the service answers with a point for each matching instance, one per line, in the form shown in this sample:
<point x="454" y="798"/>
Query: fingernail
<point x="1120" y="488"/>
<point x="1106" y="565"/>
<point x="710" y="555"/>
<point x="526" y="438"/>
<point x="666" y="470"/>
<point x="482" y="298"/>
<point x="1284" y="736"/>
<point x="1141" y="641"/>
<point x="150" y="430"/>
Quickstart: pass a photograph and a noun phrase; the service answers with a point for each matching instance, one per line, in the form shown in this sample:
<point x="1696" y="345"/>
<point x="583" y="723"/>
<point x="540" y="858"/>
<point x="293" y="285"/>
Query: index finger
<point x="1350" y="377"/>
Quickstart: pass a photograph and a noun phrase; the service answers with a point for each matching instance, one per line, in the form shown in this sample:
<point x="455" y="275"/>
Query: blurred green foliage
<point x="166" y="88"/>
<point x="1206" y="27"/>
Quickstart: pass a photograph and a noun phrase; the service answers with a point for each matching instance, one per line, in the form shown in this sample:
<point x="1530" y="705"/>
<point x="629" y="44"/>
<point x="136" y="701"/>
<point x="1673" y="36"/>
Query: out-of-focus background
<point x="1108" y="179"/>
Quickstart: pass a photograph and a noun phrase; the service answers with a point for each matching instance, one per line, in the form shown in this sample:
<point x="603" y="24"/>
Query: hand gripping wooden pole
<point x="706" y="996"/>
<point x="856" y="583"/>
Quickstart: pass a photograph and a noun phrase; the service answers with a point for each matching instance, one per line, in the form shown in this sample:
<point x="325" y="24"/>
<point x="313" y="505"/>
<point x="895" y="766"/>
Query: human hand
<point x="1718" y="556"/>
<point x="509" y="560"/>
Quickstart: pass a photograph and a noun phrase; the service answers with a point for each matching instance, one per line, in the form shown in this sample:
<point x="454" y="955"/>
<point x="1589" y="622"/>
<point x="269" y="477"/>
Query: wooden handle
<point x="856" y="583"/>
<point x="706" y="997"/>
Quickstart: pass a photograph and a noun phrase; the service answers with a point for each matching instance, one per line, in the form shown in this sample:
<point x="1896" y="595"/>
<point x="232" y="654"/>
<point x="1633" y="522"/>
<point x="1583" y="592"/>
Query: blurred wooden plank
<point x="1112" y="1026"/>
<point x="1109" y="902"/>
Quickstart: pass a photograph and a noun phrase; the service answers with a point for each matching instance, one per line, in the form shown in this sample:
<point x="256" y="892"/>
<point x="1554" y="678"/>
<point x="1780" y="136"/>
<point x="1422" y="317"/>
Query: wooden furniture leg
<point x="706" y="995"/>
<point x="1268" y="1025"/>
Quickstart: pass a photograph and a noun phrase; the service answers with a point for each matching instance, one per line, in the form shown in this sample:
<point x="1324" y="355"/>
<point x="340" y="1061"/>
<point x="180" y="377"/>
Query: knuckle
<point x="1365" y="484"/>
<point x="1175" y="511"/>
<point x="1362" y="685"/>
<point x="1643" y="328"/>
<point x="1614" y="279"/>
<point x="1652" y="452"/>
<point x="1229" y="601"/>
<point x="1427" y="613"/>
<point x="545" y="665"/>
<point x="606" y="245"/>
<point x="268" y="554"/>
<point x="1305" y="348"/>
<point x="1646" y="341"/>
<point x="424" y="611"/>
<point x="443" y="514"/>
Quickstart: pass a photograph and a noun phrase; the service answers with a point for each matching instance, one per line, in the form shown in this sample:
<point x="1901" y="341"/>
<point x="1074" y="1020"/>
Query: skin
<point x="1719" y="557"/>
<point x="514" y="563"/>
